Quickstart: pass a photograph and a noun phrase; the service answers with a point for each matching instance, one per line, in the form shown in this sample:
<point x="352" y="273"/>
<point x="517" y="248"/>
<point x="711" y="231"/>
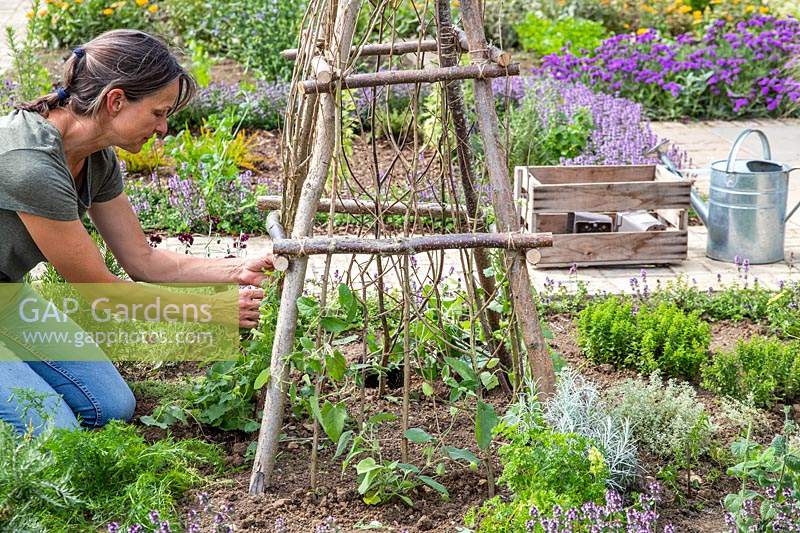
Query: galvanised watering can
<point x="746" y="209"/>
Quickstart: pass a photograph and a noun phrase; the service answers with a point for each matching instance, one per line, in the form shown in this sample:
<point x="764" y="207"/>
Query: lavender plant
<point x="734" y="69"/>
<point x="259" y="105"/>
<point x="575" y="126"/>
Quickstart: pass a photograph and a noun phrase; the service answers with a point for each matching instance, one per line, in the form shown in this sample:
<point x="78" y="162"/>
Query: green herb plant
<point x="765" y="369"/>
<point x="774" y="472"/>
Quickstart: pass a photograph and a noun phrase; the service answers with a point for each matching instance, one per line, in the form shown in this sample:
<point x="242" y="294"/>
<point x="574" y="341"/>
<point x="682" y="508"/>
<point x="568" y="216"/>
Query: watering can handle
<point x="738" y="143"/>
<point x="785" y="220"/>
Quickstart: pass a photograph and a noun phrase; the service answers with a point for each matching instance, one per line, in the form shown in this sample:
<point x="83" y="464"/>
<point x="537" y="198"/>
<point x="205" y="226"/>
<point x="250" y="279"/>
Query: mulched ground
<point x="301" y="510"/>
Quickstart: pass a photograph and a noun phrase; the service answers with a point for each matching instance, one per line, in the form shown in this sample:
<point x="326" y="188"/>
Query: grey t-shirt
<point x="35" y="179"/>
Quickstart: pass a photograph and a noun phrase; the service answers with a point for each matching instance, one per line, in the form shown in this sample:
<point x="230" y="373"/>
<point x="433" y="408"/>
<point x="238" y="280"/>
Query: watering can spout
<point x="699" y="205"/>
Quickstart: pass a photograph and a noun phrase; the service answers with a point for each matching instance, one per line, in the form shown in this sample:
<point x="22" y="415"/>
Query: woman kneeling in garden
<point x="57" y="163"/>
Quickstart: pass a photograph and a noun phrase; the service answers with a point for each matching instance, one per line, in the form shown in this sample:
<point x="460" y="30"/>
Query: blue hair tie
<point x="79" y="52"/>
<point x="62" y="93"/>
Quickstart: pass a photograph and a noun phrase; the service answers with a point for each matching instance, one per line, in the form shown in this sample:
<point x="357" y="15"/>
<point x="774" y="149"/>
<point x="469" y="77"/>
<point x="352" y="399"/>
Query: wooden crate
<point x="545" y="195"/>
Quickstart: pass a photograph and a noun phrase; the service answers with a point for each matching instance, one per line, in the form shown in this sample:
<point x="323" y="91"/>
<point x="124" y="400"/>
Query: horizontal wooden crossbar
<point x="396" y="77"/>
<point x="410" y="245"/>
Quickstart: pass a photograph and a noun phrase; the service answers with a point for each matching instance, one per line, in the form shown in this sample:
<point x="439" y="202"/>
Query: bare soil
<point x="291" y="501"/>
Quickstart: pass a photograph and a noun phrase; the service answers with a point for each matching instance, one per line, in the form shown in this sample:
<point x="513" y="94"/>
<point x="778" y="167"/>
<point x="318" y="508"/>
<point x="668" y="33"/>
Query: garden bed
<point x="291" y="503"/>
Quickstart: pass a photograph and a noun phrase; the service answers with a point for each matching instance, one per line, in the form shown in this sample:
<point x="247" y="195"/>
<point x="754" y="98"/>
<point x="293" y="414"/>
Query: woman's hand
<point x="249" y="301"/>
<point x="252" y="272"/>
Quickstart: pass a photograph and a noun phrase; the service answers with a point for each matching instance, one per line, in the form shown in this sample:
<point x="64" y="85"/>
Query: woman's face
<point x="133" y="123"/>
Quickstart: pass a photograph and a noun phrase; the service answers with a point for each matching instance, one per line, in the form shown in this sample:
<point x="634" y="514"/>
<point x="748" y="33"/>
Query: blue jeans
<point x="87" y="392"/>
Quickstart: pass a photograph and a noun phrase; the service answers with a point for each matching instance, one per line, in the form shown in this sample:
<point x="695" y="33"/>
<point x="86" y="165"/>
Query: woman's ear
<point x="115" y="98"/>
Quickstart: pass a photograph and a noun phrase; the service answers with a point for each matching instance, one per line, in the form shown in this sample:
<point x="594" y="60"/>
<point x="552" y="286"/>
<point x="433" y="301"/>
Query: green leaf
<point x="435" y="485"/>
<point x="489" y="380"/>
<point x="214" y="412"/>
<point x="462" y="368"/>
<point x="334" y="324"/>
<point x="307" y="306"/>
<point x="176" y="413"/>
<point x="331" y="417"/>
<point x="307" y="344"/>
<point x="381" y="417"/>
<point x="261" y="379"/>
<point x="496" y="306"/>
<point x="367" y="464"/>
<point x="417" y="435"/>
<point x="150" y="421"/>
<point x="336" y="365"/>
<point x="344" y="440"/>
<point x="344" y="340"/>
<point x="372" y="499"/>
<point x="251" y="426"/>
<point x="485" y="421"/>
<point x="460" y="454"/>
<point x="407" y="468"/>
<point x="427" y="389"/>
<point x="348" y="302"/>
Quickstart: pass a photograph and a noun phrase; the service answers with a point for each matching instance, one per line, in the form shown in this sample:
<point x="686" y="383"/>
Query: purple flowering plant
<point x="567" y="123"/>
<point x="733" y="70"/>
<point x="258" y="105"/>
<point x="218" y="520"/>
<point x="609" y="516"/>
<point x="213" y="188"/>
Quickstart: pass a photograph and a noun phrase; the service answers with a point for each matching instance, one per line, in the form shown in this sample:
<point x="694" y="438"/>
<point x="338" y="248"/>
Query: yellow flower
<point x="626" y="25"/>
<point x="697" y="15"/>
<point x="142" y="3"/>
<point x="455" y="3"/>
<point x="42" y="12"/>
<point x="763" y="10"/>
<point x="153" y="8"/>
<point x="78" y="1"/>
<point x="684" y="9"/>
<point x="641" y="31"/>
<point x="749" y="9"/>
<point x="29" y="14"/>
<point x="64" y="5"/>
<point x="108" y="11"/>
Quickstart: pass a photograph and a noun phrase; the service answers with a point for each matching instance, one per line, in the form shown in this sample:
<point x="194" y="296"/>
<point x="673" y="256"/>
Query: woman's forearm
<point x="171" y="267"/>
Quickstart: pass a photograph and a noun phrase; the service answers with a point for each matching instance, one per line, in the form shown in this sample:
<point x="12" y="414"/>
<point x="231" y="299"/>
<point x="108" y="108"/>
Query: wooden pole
<point x="272" y="419"/>
<point x="303" y="247"/>
<point x="541" y="366"/>
<point x="455" y="104"/>
<point x="397" y="77"/>
<point x="360" y="207"/>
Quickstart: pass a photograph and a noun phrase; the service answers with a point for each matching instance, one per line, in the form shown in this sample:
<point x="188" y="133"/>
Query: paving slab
<point x="12" y="13"/>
